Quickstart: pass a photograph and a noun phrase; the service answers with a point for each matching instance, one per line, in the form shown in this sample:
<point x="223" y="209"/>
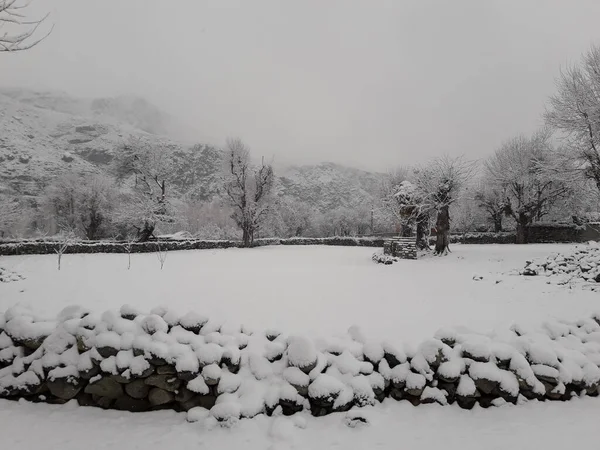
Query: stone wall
<point x="482" y="238"/>
<point x="401" y="247"/>
<point x="42" y="247"/>
<point x="137" y="362"/>
<point x="553" y="232"/>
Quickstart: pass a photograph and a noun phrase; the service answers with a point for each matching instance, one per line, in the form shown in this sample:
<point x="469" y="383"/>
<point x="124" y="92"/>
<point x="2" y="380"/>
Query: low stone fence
<point x="137" y="362"/>
<point x="42" y="247"/>
<point x="482" y="238"/>
<point x="556" y="232"/>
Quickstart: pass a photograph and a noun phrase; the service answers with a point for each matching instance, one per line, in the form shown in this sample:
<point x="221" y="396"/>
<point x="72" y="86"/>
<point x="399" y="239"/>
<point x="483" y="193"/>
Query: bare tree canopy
<point x="248" y="189"/>
<point x="149" y="167"/>
<point x="575" y="111"/>
<point x="521" y="168"/>
<point x="441" y="183"/>
<point x="491" y="197"/>
<point x="17" y="33"/>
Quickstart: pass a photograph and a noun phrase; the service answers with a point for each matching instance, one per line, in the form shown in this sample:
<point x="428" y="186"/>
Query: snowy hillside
<point x="328" y="186"/>
<point x="46" y="134"/>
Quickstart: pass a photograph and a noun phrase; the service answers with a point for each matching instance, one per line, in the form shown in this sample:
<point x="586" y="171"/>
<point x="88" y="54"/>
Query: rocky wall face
<point x="138" y="362"/>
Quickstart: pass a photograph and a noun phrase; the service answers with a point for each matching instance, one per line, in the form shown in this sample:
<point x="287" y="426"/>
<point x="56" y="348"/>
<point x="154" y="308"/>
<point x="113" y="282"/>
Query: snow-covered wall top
<point x="135" y="361"/>
<point x="41" y="247"/>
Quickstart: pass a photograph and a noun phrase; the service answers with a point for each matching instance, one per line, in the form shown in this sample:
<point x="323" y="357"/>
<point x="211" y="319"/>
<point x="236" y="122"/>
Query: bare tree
<point x="10" y="212"/>
<point x="148" y="167"/>
<point x="128" y="246"/>
<point x="248" y="189"/>
<point x="25" y="31"/>
<point x="66" y="240"/>
<point x="441" y="183"/>
<point x="161" y="254"/>
<point x="82" y="206"/>
<point x="521" y="166"/>
<point x="491" y="197"/>
<point x="575" y="111"/>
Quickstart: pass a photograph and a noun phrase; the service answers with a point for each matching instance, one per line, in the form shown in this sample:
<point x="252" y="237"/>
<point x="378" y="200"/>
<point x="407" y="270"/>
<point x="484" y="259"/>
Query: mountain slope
<point x="328" y="186"/>
<point x="44" y="135"/>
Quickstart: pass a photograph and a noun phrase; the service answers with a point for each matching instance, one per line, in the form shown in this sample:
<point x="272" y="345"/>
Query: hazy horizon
<point x="371" y="85"/>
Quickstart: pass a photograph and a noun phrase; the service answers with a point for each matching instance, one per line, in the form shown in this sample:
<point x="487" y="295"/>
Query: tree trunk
<point x="422" y="224"/>
<point x="246" y="236"/>
<point x="406" y="229"/>
<point x="497" y="223"/>
<point x="522" y="234"/>
<point x="146" y="233"/>
<point x="442" y="226"/>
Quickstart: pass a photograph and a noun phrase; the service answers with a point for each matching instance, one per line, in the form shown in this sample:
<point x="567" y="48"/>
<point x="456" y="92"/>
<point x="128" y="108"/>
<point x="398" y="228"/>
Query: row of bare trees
<point x="141" y="198"/>
<point x="559" y="166"/>
<point x="526" y="180"/>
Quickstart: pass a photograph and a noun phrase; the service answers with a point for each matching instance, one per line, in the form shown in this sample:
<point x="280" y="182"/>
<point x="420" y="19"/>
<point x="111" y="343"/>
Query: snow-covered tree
<point x="441" y="183"/>
<point x="10" y="213"/>
<point x="147" y="168"/>
<point x="83" y="205"/>
<point x="248" y="189"/>
<point x="17" y="32"/>
<point x="575" y="112"/>
<point x="521" y="166"/>
<point x="293" y="218"/>
<point x="403" y="203"/>
<point x="412" y="209"/>
<point x="491" y="197"/>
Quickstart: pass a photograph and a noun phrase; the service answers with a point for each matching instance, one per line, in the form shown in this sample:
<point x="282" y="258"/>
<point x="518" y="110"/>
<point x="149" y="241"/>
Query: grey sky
<point x="369" y="83"/>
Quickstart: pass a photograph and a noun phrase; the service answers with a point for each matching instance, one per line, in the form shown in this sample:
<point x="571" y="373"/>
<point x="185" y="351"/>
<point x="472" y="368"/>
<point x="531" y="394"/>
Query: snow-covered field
<point x="320" y="291"/>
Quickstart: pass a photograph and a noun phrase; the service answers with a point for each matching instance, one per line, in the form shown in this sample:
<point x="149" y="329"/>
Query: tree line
<point x="552" y="174"/>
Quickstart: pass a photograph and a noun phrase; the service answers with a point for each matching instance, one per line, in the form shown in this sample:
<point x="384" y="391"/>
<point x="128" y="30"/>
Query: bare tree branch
<point x="19" y="39"/>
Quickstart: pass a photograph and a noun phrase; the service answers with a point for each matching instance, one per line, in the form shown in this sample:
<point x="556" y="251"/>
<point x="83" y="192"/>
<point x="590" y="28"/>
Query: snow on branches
<point x="248" y="189"/>
<point x="24" y="34"/>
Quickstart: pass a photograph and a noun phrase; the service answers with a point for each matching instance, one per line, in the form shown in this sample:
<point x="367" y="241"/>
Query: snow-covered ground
<point x="317" y="291"/>
<point x="393" y="425"/>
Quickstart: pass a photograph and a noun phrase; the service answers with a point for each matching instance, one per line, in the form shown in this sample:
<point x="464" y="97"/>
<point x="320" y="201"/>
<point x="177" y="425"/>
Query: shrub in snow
<point x="386" y="260"/>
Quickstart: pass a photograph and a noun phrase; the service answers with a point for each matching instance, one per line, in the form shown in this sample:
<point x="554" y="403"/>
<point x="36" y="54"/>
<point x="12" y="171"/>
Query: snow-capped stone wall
<point x="132" y="361"/>
<point x="43" y="247"/>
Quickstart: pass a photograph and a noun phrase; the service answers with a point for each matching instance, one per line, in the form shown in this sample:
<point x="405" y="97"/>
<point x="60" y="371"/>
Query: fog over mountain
<point x="366" y="84"/>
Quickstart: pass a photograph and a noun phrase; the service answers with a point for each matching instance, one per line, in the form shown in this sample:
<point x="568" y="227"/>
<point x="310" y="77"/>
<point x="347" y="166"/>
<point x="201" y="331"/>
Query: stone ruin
<point x="401" y="247"/>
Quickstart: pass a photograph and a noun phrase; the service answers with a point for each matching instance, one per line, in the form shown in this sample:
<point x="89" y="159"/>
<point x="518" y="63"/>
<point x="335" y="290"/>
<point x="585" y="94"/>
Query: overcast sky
<point x="368" y="83"/>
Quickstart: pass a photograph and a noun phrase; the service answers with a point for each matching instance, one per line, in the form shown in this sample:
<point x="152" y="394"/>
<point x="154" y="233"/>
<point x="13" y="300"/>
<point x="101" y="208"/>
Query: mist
<point x="370" y="84"/>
